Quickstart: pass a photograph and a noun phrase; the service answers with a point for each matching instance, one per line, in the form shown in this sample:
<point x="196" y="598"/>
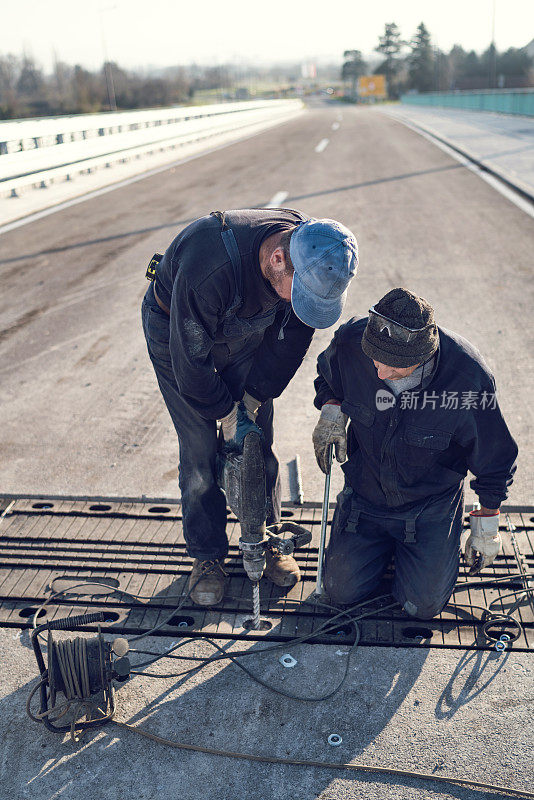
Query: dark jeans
<point x="363" y="540"/>
<point x="203" y="502"/>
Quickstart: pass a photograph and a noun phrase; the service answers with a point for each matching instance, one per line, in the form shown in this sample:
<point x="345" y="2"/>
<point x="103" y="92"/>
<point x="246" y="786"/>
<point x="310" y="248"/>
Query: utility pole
<point x="492" y="76"/>
<point x="107" y="65"/>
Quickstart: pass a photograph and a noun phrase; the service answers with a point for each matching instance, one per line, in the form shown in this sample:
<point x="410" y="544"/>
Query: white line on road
<point x="277" y="200"/>
<point x="335" y="126"/>
<point x="497" y="184"/>
<point x="322" y="145"/>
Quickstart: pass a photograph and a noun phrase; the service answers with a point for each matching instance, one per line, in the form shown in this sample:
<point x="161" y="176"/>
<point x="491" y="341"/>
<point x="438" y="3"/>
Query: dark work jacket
<point x="213" y="320"/>
<point x="404" y="453"/>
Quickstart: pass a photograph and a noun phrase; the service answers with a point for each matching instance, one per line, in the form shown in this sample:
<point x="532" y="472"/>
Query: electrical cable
<point x="62" y="593"/>
<point x="73" y="665"/>
<point x="449" y="779"/>
<point x="71" y="658"/>
<point x="235" y="656"/>
<point x="487" y="623"/>
<point x="328" y="623"/>
<point x="489" y="620"/>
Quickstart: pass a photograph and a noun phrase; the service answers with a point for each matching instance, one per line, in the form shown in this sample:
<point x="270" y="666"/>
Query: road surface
<point x="81" y="415"/>
<point x="80" y="408"/>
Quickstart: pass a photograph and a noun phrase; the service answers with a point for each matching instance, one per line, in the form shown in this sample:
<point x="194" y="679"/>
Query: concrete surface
<point x="80" y="405"/>
<point x="503" y="142"/>
<point x="81" y="414"/>
<point x="442" y="712"/>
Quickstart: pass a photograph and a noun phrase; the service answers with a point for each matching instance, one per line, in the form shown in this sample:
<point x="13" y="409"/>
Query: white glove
<point x="331" y="429"/>
<point x="229" y="424"/>
<point x="484" y="539"/>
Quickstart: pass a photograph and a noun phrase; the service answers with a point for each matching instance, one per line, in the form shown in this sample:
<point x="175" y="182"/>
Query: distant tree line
<point x="418" y="65"/>
<point x="26" y="91"/>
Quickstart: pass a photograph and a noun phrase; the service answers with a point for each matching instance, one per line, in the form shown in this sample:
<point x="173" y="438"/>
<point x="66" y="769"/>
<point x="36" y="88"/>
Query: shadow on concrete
<point x="227" y="710"/>
<point x="100" y="240"/>
<point x="177" y="224"/>
<point x="402" y="177"/>
<point x="465" y="682"/>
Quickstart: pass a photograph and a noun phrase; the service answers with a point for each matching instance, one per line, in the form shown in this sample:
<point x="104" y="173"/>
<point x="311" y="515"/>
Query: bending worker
<point x="423" y="411"/>
<point x="228" y="319"/>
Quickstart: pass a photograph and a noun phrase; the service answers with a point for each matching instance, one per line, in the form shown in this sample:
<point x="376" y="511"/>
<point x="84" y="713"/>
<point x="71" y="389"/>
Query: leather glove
<point x="483" y="540"/>
<point x="252" y="405"/>
<point x="331" y="429"/>
<point x="235" y="427"/>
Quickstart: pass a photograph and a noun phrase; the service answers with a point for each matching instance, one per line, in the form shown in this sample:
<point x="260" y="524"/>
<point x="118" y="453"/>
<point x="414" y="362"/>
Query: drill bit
<point x="256" y="605"/>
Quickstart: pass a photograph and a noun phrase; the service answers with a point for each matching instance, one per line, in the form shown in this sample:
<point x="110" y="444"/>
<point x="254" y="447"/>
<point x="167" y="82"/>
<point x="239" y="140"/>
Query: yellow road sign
<point x="372" y="86"/>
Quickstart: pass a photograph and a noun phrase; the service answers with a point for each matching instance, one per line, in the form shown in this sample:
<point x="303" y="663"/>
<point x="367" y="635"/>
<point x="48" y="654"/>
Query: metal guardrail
<point x="505" y="101"/>
<point x="60" y="148"/>
<point x="29" y="134"/>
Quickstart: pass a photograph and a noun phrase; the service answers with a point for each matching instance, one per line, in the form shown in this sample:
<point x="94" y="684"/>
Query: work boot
<point x="207" y="582"/>
<point x="282" y="570"/>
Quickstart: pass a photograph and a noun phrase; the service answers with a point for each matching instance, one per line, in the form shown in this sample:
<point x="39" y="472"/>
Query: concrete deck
<point x="83" y="415"/>
<point x="436" y="712"/>
<point x="504" y="143"/>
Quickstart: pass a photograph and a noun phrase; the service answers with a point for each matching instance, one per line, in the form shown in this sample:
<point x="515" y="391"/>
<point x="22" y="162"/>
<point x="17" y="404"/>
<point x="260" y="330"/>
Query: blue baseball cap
<point x="325" y="257"/>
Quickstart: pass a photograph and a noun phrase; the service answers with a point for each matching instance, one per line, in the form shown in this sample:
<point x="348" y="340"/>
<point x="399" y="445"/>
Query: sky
<point x="141" y="33"/>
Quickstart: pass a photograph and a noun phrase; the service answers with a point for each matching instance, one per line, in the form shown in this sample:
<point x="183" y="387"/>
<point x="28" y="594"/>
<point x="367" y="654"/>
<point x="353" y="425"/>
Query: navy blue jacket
<point x="403" y="452"/>
<point x="196" y="281"/>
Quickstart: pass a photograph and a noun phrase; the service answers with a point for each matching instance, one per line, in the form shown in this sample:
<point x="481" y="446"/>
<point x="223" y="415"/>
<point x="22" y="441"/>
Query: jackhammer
<point x="84" y="669"/>
<point x="242" y="477"/>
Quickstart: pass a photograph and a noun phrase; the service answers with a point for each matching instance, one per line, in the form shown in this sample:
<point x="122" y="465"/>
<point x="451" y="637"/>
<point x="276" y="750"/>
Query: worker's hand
<point x="252" y="405"/>
<point x="331" y="429"/>
<point x="484" y="542"/>
<point x="235" y="427"/>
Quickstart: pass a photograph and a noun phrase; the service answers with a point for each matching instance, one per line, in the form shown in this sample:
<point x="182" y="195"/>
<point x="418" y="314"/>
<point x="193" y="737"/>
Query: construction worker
<point x="423" y="411"/>
<point x="228" y="319"/>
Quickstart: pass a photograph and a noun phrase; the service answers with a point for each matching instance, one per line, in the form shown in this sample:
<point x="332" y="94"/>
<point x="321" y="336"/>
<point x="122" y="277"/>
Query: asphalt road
<point x="81" y="412"/>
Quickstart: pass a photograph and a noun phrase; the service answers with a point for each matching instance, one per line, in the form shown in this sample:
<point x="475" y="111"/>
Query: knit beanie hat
<point x="408" y="310"/>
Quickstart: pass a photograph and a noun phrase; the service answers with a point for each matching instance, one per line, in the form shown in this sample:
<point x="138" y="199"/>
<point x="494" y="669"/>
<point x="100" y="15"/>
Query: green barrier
<point x="506" y="101"/>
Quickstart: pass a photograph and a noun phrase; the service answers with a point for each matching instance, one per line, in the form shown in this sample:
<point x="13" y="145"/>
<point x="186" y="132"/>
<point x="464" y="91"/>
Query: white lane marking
<point x="277" y="200"/>
<point x="322" y="145"/>
<point x="501" y="187"/>
<point x="335" y="126"/>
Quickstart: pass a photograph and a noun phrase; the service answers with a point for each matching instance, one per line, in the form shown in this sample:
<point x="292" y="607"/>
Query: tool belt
<point x="151" y="276"/>
<point x="159" y="302"/>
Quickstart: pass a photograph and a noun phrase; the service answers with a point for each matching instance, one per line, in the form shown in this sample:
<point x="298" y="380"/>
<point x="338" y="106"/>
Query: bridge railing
<point x="41" y="151"/>
<point x="504" y="101"/>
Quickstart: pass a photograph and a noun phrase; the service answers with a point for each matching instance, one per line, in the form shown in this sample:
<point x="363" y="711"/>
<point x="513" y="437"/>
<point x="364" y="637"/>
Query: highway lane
<point x="80" y="408"/>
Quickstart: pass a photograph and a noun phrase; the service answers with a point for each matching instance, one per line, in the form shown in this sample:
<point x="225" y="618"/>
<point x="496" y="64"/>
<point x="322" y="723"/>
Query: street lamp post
<point x="107" y="65"/>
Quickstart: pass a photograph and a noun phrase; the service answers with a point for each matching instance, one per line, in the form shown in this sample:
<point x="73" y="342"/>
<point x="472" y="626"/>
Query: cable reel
<point x="82" y="669"/>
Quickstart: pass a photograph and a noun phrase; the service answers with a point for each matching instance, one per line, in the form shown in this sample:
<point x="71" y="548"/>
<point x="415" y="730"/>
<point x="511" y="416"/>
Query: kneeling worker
<point x="423" y="411"/>
<point x="227" y="320"/>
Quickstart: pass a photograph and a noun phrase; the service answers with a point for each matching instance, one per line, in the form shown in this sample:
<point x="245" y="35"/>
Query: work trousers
<point x="424" y="542"/>
<point x="203" y="502"/>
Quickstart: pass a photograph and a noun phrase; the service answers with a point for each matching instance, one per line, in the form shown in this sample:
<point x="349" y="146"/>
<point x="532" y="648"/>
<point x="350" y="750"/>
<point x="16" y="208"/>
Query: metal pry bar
<point x="324" y="521"/>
